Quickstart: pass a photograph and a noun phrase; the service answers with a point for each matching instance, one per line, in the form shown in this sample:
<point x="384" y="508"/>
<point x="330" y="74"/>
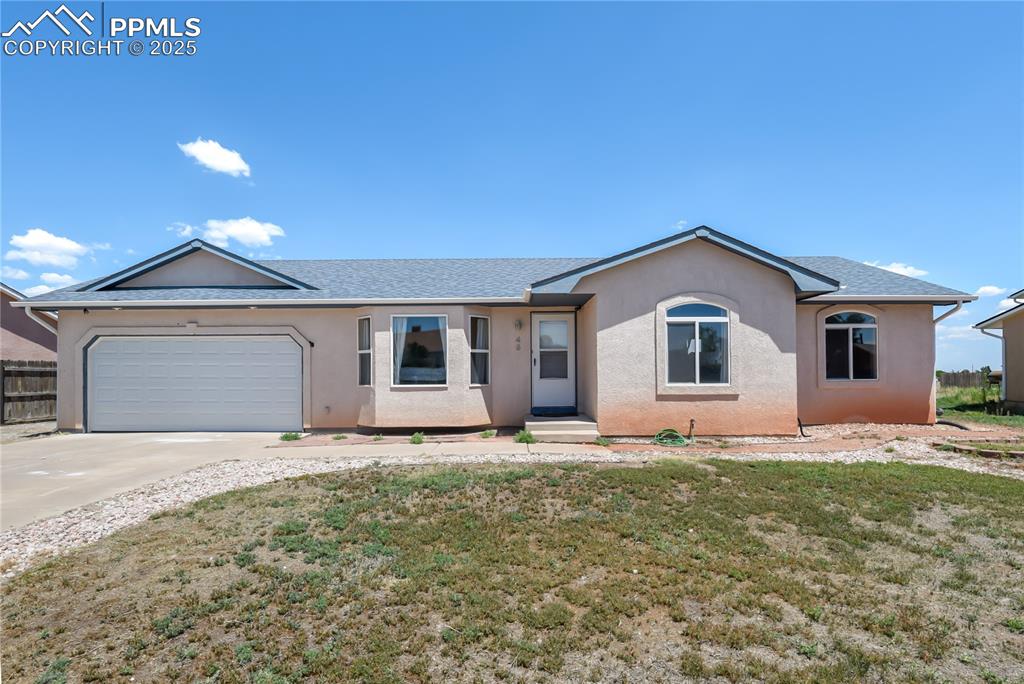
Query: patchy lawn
<point x="670" y="572"/>
<point x="971" y="404"/>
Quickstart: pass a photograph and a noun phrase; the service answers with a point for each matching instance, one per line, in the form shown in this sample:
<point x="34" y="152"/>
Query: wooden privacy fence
<point x="963" y="379"/>
<point x="29" y="390"/>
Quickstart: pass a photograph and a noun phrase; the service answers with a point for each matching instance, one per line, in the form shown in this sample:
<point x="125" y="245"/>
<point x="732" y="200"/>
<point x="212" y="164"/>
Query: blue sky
<point x="876" y="131"/>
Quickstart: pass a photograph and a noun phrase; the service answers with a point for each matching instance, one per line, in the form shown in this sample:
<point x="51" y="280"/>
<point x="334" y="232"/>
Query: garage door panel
<point x="195" y="383"/>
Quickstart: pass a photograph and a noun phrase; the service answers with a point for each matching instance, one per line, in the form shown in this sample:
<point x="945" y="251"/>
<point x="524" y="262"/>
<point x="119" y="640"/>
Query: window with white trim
<point x="851" y="346"/>
<point x="698" y="344"/>
<point x="364" y="351"/>
<point x="419" y="350"/>
<point x="479" y="350"/>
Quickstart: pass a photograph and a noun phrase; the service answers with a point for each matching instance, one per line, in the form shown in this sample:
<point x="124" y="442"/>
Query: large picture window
<point x="479" y="350"/>
<point x="851" y="346"/>
<point x="364" y="351"/>
<point x="420" y="350"/>
<point x="698" y="345"/>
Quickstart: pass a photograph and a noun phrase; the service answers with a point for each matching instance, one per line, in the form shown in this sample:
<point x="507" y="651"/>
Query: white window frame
<point x="473" y="350"/>
<point x="391" y="353"/>
<point x="696" y="321"/>
<point x="368" y="351"/>
<point x="849" y="344"/>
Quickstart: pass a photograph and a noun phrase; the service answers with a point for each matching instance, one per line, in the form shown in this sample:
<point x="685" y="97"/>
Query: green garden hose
<point x="671" y="437"/>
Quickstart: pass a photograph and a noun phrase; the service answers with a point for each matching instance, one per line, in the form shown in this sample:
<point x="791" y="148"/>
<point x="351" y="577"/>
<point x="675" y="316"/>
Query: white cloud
<point x="36" y="290"/>
<point x="182" y="229"/>
<point x="58" y="279"/>
<point x="1005" y="304"/>
<point x="248" y="231"/>
<point x="129" y="251"/>
<point x="899" y="267"/>
<point x="12" y="273"/>
<point x="990" y="291"/>
<point x="99" y="245"/>
<point x="216" y="157"/>
<point x="955" y="332"/>
<point x="40" y="247"/>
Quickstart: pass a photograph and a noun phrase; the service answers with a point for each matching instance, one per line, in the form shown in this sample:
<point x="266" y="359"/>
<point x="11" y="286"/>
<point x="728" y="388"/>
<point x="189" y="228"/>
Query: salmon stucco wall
<point x="21" y="338"/>
<point x="1013" y="362"/>
<point x="200" y="269"/>
<point x="630" y="398"/>
<point x="904" y="391"/>
<point x="334" y="397"/>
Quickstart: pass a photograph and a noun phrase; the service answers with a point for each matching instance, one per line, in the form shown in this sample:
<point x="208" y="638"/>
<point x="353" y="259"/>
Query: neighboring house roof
<point x="18" y="296"/>
<point x="509" y="281"/>
<point x="996" y="322"/>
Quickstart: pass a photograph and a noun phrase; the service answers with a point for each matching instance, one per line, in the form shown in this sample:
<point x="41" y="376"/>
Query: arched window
<point x="851" y="346"/>
<point x="698" y="345"/>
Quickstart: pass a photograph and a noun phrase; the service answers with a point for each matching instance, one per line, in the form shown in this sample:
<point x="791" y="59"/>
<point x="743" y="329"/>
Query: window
<point x="420" y="350"/>
<point x="698" y="345"/>
<point x="479" y="350"/>
<point x="364" y="351"/>
<point x="851" y="346"/>
<point x="554" y="349"/>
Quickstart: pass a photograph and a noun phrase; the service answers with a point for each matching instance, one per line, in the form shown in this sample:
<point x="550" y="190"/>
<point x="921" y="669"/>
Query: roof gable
<point x="805" y="280"/>
<point x="239" y="272"/>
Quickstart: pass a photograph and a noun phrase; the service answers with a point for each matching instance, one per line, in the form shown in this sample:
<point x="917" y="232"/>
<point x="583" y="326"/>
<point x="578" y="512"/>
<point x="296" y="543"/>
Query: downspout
<point x="1002" y="380"/>
<point x="38" y="319"/>
<point x="959" y="305"/>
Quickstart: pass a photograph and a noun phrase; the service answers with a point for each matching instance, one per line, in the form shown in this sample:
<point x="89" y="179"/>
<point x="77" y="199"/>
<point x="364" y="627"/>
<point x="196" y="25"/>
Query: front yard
<point x="721" y="569"/>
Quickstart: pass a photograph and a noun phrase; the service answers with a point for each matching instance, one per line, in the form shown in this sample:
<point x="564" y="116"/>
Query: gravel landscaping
<point x="18" y="547"/>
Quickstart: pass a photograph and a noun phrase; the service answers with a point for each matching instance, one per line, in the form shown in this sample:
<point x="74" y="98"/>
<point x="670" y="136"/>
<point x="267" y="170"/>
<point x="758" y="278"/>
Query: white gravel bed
<point x="21" y="546"/>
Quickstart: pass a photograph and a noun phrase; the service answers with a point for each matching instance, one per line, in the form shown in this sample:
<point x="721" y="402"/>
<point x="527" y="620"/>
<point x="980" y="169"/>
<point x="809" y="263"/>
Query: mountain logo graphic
<point x="53" y="16"/>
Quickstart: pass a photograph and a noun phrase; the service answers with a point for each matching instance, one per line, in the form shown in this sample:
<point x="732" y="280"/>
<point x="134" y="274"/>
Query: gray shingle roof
<point x="857" y="279"/>
<point x="409" y="279"/>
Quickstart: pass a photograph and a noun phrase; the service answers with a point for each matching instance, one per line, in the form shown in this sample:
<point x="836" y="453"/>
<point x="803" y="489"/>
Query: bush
<point x="487" y="434"/>
<point x="377" y="438"/>
<point x="290" y="436"/>
<point x="602" y="441"/>
<point x="524" y="437"/>
<point x="417" y="438"/>
<point x="339" y="437"/>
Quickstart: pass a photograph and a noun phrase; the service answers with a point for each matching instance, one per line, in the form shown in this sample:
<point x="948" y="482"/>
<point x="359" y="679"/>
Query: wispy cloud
<point x="247" y="231"/>
<point x="180" y="229"/>
<point x="42" y="248"/>
<point x="37" y="290"/>
<point x="955" y="332"/>
<point x="1005" y="304"/>
<point x="990" y="291"/>
<point x="899" y="267"/>
<point x="12" y="273"/>
<point x="58" y="279"/>
<point x="216" y="157"/>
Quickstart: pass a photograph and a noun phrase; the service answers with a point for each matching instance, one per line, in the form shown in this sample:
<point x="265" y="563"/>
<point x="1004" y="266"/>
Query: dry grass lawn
<point x="722" y="571"/>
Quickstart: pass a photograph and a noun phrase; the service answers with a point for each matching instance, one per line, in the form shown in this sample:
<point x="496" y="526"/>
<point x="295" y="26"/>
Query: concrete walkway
<point x="44" y="477"/>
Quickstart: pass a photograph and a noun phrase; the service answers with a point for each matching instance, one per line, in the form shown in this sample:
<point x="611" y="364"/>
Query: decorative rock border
<point x="977" y="451"/>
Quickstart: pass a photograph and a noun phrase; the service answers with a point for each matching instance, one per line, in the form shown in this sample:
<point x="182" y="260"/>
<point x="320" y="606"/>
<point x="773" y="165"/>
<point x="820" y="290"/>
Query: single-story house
<point x="1011" y="323"/>
<point x="25" y="335"/>
<point x="698" y="325"/>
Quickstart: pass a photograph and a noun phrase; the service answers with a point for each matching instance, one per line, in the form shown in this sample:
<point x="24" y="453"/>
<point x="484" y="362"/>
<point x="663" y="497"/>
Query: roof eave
<point x="805" y="280"/>
<point x="183" y="250"/>
<point x="996" y="322"/>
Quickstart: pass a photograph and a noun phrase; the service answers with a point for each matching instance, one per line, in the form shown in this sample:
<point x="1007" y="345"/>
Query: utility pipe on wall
<point x="40" y="320"/>
<point x="959" y="305"/>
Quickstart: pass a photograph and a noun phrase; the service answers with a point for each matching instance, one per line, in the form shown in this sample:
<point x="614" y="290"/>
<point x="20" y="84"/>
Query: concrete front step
<point x="572" y="429"/>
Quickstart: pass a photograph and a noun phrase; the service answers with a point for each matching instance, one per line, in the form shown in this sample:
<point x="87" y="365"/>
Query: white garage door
<point x="195" y="383"/>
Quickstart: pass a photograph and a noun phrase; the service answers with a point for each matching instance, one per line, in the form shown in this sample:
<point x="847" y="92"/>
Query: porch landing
<point x="578" y="428"/>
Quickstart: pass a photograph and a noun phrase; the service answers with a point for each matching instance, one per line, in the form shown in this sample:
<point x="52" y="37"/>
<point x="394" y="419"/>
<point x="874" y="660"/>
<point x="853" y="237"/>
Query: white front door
<point x="554" y="360"/>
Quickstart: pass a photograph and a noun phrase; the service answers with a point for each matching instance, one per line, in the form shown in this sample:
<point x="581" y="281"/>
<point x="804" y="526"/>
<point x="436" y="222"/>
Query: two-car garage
<point x="193" y="383"/>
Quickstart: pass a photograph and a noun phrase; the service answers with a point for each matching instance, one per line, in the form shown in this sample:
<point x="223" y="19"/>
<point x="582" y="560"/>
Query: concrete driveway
<point x="46" y="476"/>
